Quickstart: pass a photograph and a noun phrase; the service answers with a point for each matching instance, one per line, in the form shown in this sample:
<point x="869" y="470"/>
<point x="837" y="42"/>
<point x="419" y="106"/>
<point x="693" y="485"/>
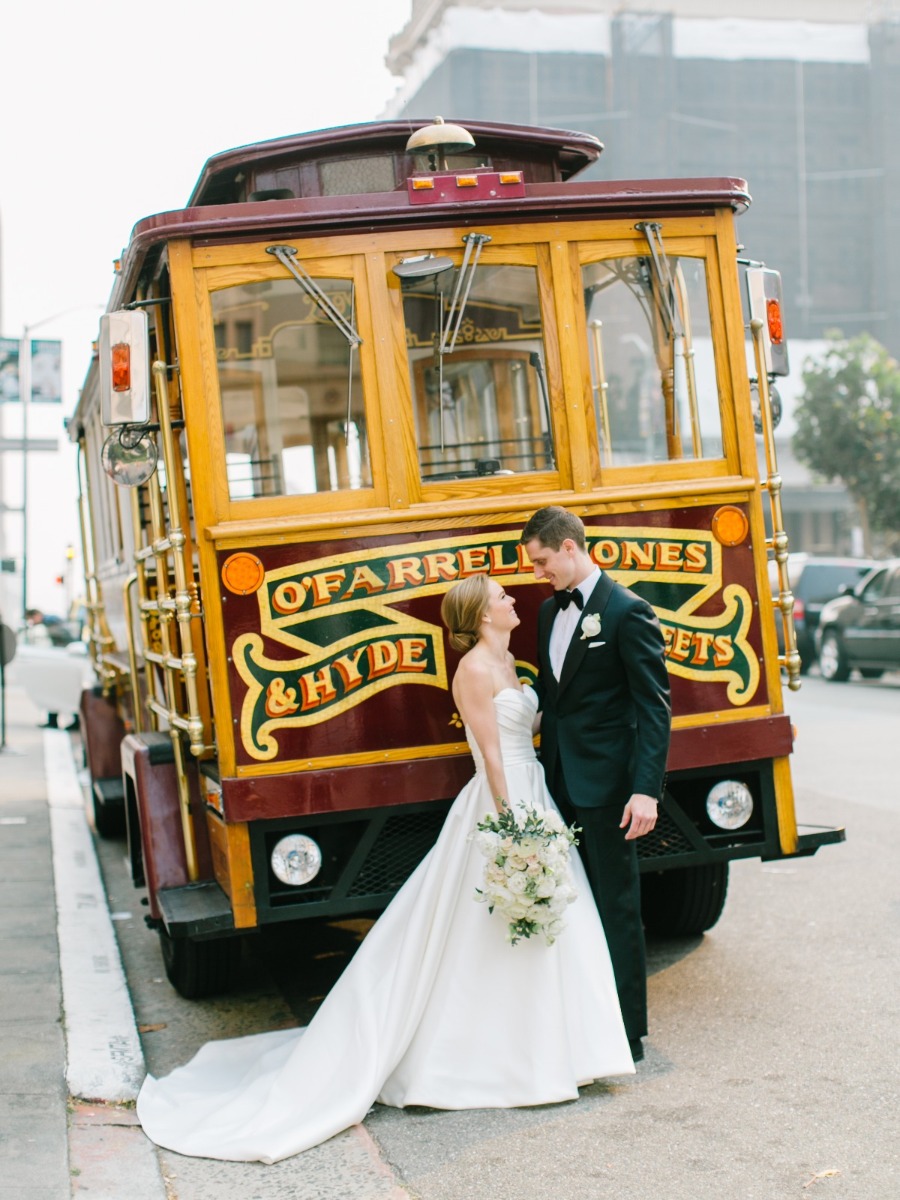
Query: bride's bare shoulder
<point x="473" y="672"/>
<point x="473" y="665"/>
<point x="471" y="683"/>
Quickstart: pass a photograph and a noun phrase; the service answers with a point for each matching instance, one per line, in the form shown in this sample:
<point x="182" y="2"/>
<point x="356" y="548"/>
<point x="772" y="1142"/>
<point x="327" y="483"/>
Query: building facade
<point x="797" y="96"/>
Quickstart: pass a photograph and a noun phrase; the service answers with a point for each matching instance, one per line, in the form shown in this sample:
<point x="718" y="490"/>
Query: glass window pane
<point x="652" y="366"/>
<point x="292" y="397"/>
<point x="876" y="586"/>
<point x="482" y="408"/>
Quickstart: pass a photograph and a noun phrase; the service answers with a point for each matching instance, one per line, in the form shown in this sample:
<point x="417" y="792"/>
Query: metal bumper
<point x="809" y="839"/>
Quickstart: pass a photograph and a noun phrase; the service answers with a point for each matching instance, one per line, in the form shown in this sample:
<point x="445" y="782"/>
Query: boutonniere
<point x="590" y="626"/>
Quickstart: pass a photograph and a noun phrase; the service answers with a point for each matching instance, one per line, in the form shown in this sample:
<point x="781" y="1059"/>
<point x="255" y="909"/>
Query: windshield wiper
<point x="464" y="283"/>
<point x="287" y="256"/>
<point x="662" y="273"/>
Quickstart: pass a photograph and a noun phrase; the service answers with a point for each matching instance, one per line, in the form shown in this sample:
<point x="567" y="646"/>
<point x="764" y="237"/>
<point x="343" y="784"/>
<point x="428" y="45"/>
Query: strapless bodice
<point x="515" y="709"/>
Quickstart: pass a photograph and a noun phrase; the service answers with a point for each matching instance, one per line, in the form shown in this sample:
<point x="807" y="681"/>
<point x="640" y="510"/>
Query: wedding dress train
<point x="435" y="1008"/>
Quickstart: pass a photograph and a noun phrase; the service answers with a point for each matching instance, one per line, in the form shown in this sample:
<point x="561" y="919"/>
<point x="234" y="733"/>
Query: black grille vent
<point x="399" y="848"/>
<point x="665" y="839"/>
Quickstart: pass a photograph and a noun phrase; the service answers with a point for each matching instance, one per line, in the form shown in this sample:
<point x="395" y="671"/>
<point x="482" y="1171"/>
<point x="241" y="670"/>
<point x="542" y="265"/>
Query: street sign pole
<point x="25" y="398"/>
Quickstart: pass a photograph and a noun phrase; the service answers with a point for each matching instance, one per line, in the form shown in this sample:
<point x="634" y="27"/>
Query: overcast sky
<point x="108" y="111"/>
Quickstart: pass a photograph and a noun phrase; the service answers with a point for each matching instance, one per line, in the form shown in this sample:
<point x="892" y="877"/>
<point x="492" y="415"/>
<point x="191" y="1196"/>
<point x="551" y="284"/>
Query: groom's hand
<point x="639" y="816"/>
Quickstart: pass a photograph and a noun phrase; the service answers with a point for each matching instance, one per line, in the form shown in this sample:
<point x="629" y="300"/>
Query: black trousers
<point x="612" y="870"/>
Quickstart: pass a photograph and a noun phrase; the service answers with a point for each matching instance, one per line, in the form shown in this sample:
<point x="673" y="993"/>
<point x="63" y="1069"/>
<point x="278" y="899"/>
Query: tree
<point x="848" y="428"/>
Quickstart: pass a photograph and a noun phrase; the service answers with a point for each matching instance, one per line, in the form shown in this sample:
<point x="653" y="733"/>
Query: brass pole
<point x="689" y="366"/>
<point x="167" y="609"/>
<point x="772" y="484"/>
<point x="601" y="391"/>
<point x="99" y="638"/>
<point x="136" y="713"/>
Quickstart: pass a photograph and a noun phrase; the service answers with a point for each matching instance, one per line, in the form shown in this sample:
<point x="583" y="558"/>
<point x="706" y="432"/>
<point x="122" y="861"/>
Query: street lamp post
<point x="25" y="399"/>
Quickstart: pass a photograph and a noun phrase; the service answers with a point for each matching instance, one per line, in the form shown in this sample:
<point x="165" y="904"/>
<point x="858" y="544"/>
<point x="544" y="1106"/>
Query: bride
<point x="436" y="1008"/>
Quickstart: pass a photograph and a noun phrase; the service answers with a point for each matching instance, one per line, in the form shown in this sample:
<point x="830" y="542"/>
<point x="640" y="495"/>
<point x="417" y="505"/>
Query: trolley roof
<point x="354" y="178"/>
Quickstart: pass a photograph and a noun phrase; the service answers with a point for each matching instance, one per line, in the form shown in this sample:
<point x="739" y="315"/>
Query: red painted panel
<point x="345" y="789"/>
<point x="102" y="730"/>
<point x="446" y="189"/>
<point x="730" y="742"/>
<point x="315" y="669"/>
<point x="162" y="845"/>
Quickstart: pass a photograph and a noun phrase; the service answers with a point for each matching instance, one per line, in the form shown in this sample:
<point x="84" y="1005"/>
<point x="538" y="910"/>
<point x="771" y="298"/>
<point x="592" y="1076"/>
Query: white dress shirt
<point x="566" y="621"/>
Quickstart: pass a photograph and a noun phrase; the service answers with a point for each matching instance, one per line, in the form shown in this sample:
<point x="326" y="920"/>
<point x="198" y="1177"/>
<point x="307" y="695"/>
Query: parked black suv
<point x="814" y="581"/>
<point x="862" y="628"/>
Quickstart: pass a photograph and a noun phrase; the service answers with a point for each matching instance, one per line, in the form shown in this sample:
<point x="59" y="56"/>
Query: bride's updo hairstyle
<point x="462" y="609"/>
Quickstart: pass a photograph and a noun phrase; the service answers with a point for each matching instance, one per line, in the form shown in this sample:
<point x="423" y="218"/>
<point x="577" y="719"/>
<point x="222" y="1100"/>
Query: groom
<point x="604" y="692"/>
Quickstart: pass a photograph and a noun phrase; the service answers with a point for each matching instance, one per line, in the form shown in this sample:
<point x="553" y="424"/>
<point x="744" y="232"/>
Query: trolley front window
<point x="477" y="367"/>
<point x="291" y="389"/>
<point x="652" y="365"/>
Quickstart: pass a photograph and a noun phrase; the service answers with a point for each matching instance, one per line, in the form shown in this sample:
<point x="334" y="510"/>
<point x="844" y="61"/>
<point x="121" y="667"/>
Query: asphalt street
<point x="772" y="1064"/>
<point x="771" y="1068"/>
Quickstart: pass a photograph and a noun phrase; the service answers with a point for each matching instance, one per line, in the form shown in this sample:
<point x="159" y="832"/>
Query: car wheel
<point x="684" y="902"/>
<point x="833" y="659"/>
<point x="200" y="969"/>
<point x="871" y="672"/>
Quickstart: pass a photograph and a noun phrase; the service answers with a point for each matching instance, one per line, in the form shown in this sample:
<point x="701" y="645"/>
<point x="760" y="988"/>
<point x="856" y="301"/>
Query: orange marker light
<point x="242" y="573"/>
<point x="729" y="525"/>
<point x="776" y="325"/>
<point x="467" y="181"/>
<point x="422" y="184"/>
<point x="510" y="176"/>
<point x="121" y="367"/>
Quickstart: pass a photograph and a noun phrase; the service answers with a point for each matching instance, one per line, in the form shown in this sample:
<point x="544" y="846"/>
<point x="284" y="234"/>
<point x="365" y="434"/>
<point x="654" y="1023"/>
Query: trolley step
<point x="195" y="910"/>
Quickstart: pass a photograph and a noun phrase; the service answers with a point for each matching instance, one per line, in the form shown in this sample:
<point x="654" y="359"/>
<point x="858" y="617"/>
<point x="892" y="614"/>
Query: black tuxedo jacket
<point x="607" y="720"/>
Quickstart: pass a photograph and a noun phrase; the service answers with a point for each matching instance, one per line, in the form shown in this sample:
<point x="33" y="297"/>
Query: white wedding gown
<point x="435" y="1008"/>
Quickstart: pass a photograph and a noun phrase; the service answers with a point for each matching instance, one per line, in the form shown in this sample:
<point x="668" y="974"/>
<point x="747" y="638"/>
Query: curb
<point x="109" y="1155"/>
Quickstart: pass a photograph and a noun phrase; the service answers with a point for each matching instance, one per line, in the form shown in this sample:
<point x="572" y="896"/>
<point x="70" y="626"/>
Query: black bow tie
<point x="564" y="599"/>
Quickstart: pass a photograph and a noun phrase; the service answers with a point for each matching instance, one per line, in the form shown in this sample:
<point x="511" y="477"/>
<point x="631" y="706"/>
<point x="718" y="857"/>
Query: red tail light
<point x="121" y="367"/>
<point x="776" y="325"/>
<point x="799" y="609"/>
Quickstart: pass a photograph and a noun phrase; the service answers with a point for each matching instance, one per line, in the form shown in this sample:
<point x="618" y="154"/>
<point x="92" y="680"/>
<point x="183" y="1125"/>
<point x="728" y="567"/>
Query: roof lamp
<point x="438" y="140"/>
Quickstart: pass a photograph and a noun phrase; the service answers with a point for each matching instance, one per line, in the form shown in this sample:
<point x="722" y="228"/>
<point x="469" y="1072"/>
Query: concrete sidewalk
<point x="56" y="1021"/>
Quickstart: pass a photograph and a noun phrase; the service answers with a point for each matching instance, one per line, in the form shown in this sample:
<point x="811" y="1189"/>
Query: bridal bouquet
<point x="527" y="876"/>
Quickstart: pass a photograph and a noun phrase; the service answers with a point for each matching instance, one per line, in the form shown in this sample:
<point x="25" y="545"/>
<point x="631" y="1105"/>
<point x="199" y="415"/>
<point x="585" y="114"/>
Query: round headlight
<point x="296" y="859"/>
<point x="729" y="804"/>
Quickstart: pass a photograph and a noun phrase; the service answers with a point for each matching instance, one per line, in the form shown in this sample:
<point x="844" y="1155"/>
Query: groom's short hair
<point x="552" y="525"/>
